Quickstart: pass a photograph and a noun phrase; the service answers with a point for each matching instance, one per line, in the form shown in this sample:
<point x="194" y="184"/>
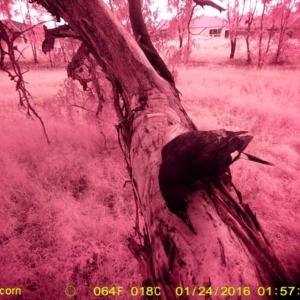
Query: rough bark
<point x="229" y="249"/>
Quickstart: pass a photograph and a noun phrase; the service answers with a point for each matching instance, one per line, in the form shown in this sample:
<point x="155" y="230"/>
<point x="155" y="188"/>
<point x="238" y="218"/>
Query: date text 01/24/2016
<point x="201" y="291"/>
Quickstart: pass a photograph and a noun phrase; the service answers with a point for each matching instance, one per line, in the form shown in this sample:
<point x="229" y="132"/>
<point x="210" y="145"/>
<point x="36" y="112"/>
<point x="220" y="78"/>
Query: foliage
<point x="267" y="26"/>
<point x="6" y="8"/>
<point x="275" y="42"/>
<point x="31" y="15"/>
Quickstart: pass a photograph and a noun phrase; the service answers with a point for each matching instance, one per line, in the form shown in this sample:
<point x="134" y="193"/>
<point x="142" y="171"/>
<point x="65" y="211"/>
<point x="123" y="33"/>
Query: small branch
<point x="190" y="19"/>
<point x="209" y="3"/>
<point x="82" y="107"/>
<point x="17" y="76"/>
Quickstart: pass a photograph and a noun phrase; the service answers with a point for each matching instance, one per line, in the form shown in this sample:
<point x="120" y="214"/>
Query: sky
<point x="162" y="4"/>
<point x="208" y="11"/>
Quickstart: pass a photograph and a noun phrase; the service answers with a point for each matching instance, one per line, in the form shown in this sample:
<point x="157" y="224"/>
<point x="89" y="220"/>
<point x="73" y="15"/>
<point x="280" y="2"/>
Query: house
<point x="17" y="27"/>
<point x="200" y="27"/>
<point x="208" y="27"/>
<point x="24" y="39"/>
<point x="161" y="30"/>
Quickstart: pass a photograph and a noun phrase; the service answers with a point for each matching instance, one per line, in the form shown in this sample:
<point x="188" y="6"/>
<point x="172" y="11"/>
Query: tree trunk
<point x="225" y="252"/>
<point x="32" y="38"/>
<point x="232" y="47"/>
<point x="260" y="58"/>
<point x="281" y="40"/>
<point x="2" y="55"/>
<point x="63" y="51"/>
<point x="249" y="59"/>
<point x="180" y="36"/>
<point x="34" y="52"/>
<point x="271" y="34"/>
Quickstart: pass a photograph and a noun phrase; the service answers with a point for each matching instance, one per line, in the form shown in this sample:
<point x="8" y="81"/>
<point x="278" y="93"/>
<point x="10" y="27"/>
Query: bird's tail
<point x="254" y="158"/>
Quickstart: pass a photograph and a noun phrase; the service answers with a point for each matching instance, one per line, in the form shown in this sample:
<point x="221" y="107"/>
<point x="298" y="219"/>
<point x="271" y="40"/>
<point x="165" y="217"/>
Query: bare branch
<point x="17" y="76"/>
<point x="209" y="3"/>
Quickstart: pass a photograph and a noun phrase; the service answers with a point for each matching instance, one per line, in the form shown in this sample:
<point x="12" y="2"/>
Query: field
<point x="65" y="213"/>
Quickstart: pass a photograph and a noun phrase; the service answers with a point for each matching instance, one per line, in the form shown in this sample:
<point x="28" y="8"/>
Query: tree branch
<point x="209" y="3"/>
<point x="142" y="37"/>
<point x="62" y="31"/>
<point x="17" y="76"/>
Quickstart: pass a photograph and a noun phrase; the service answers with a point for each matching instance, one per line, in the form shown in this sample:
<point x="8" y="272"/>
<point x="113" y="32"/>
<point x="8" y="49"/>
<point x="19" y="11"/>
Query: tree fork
<point x="227" y="251"/>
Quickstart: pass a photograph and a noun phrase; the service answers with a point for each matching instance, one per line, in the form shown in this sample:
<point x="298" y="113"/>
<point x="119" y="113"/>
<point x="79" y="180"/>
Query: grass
<point x="266" y="103"/>
<point x="65" y="215"/>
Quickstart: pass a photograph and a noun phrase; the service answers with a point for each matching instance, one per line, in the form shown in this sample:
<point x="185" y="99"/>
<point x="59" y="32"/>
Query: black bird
<point x="199" y="156"/>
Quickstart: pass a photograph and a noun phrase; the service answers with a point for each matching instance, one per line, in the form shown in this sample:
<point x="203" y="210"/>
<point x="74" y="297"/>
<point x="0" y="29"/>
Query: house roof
<point x="206" y="21"/>
<point x="163" y="25"/>
<point x="198" y="22"/>
<point x="15" y="25"/>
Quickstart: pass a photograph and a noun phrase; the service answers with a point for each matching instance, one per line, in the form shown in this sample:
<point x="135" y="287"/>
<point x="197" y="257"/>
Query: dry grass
<point x="65" y="215"/>
<point x="266" y="103"/>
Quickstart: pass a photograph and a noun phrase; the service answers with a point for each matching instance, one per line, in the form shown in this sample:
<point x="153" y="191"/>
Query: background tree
<point x="235" y="12"/>
<point x="6" y="9"/>
<point x="31" y="34"/>
<point x="182" y="11"/>
<point x="5" y="13"/>
<point x="274" y="22"/>
<point x="282" y="19"/>
<point x="250" y="27"/>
